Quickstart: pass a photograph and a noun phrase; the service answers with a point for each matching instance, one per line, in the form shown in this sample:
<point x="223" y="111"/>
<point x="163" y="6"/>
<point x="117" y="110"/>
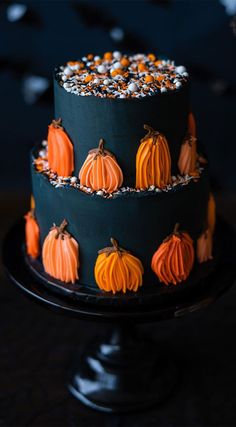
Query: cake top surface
<point x="116" y="75"/>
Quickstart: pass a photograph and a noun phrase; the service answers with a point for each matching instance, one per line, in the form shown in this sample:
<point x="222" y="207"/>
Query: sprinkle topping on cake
<point x="115" y="75"/>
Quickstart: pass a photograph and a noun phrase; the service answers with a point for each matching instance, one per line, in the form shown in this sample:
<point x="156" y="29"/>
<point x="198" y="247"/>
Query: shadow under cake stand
<point x="121" y="371"/>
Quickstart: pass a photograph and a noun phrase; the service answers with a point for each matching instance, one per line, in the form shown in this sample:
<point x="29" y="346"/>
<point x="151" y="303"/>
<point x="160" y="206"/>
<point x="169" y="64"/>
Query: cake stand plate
<point x="122" y="371"/>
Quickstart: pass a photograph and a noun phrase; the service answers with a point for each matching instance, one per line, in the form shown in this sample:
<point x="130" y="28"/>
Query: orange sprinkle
<point x="117" y="72"/>
<point x="151" y="57"/>
<point x="108" y="56"/>
<point x="71" y="63"/>
<point x="149" y="79"/>
<point x="142" y="67"/>
<point x="88" y="78"/>
<point x="125" y="62"/>
<point x="159" y="78"/>
<point x="90" y="56"/>
<point x="158" y="62"/>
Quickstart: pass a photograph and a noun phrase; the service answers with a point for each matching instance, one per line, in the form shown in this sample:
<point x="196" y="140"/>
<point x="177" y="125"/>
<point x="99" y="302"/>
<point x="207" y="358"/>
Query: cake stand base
<point x="123" y="371"/>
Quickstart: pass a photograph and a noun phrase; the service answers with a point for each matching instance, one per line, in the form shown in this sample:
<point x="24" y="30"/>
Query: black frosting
<point x="139" y="221"/>
<point x="120" y="122"/>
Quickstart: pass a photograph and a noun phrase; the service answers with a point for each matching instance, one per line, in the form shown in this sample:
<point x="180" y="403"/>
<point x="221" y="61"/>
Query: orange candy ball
<point x="88" y="79"/>
<point x="125" y="62"/>
<point x="108" y="56"/>
<point x="149" y="79"/>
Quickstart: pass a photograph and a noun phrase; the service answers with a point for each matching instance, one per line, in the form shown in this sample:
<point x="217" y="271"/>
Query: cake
<point x="120" y="191"/>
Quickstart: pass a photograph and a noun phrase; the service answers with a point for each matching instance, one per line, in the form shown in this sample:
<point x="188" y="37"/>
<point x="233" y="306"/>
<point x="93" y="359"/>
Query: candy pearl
<point x="96" y="81"/>
<point x="68" y="71"/>
<point x="185" y="74"/>
<point x="122" y="96"/>
<point x="117" y="54"/>
<point x="133" y="87"/>
<point x="178" y="84"/>
<point x="96" y="58"/>
<point x="102" y="69"/>
<point x="117" y="65"/>
<point x="106" y="82"/>
<point x="180" y="69"/>
<point x="163" y="89"/>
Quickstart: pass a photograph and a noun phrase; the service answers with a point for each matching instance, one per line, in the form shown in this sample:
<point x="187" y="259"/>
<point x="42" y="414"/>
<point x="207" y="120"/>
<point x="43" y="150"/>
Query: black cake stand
<point x="122" y="371"/>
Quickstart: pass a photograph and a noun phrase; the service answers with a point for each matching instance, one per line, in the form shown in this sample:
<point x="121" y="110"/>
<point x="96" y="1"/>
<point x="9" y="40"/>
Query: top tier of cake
<point x="113" y="96"/>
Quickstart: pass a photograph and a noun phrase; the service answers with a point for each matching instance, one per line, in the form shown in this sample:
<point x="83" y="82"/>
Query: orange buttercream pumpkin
<point x="101" y="171"/>
<point x="173" y="260"/>
<point x="31" y="234"/>
<point x="211" y="213"/>
<point x="153" y="161"/>
<point x="116" y="270"/>
<point x="60" y="254"/>
<point x="187" y="163"/>
<point x="204" y="246"/>
<point x="60" y="150"/>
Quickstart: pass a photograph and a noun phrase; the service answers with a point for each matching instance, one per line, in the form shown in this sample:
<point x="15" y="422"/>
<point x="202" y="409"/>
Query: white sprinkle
<point x="73" y="180"/>
<point x="185" y="74"/>
<point x="133" y="87"/>
<point x="97" y="57"/>
<point x="151" y="188"/>
<point x="117" y="54"/>
<point x="180" y="69"/>
<point x="117" y="65"/>
<point x="122" y="96"/>
<point x="96" y="81"/>
<point x="68" y="71"/>
<point x="118" y="77"/>
<point x="163" y="89"/>
<point x="178" y="84"/>
<point x="44" y="143"/>
<point x="106" y="81"/>
<point x="100" y="193"/>
<point x="102" y="69"/>
<point x="84" y="59"/>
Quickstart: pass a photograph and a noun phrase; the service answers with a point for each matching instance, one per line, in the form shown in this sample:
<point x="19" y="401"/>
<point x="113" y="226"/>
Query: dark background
<point x="37" y="346"/>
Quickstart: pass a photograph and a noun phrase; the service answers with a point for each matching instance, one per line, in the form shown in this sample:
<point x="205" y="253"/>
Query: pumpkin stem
<point x="57" y="123"/>
<point x="176" y="228"/>
<point x="115" y="248"/>
<point x="101" y="145"/>
<point x="190" y="139"/>
<point x="114" y="244"/>
<point x="148" y="128"/>
<point x="61" y="228"/>
<point x="151" y="132"/>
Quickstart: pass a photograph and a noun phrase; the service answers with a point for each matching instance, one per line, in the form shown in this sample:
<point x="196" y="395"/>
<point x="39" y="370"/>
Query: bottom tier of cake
<point x="139" y="221"/>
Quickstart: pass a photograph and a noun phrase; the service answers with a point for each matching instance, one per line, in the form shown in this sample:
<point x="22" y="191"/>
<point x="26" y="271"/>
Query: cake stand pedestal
<point x="121" y="371"/>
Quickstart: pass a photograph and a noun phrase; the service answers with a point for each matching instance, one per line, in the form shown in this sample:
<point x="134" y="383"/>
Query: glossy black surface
<point x="120" y="122"/>
<point x="122" y="372"/>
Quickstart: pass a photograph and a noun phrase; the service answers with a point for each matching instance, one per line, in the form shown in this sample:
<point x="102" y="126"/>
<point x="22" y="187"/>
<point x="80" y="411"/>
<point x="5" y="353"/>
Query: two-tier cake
<point x="121" y="196"/>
